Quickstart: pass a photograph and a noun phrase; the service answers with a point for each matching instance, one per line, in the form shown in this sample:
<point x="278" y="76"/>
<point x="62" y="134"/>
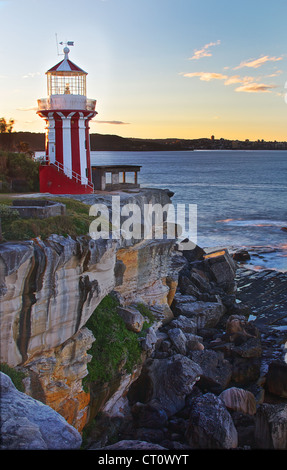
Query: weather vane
<point x="68" y="43"/>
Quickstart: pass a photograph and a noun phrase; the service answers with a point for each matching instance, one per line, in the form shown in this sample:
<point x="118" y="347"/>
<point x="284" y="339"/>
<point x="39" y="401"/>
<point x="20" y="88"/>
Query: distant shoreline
<point x="109" y="142"/>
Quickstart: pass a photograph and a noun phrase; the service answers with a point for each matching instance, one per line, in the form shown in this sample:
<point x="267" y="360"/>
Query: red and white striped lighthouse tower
<point x="67" y="112"/>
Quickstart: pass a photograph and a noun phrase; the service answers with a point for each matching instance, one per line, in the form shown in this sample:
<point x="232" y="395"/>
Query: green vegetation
<point x="115" y="348"/>
<point x="19" y="172"/>
<point x="145" y="311"/>
<point x="7" y="213"/>
<point x="76" y="222"/>
<point x="15" y="375"/>
<point x="148" y="315"/>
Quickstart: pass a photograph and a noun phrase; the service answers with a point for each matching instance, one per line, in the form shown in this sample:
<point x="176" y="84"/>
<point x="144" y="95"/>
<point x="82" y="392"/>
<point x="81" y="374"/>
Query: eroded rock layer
<point x="49" y="289"/>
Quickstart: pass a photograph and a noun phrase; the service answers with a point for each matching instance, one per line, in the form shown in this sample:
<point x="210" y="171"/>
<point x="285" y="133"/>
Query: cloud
<point x="31" y="75"/>
<point x="256" y="63"/>
<point x="248" y="84"/>
<point x="206" y="76"/>
<point x="112" y="122"/>
<point x="204" y="52"/>
<point x="275" y="74"/>
<point x="237" y="79"/>
<point x="255" y="88"/>
<point x="232" y="80"/>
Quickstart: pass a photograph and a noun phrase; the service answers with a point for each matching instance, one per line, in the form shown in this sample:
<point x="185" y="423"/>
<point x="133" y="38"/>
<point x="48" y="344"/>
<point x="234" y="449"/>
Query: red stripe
<point x="75" y="67"/>
<point x="59" y="138"/>
<point x="71" y="64"/>
<point x="89" y="173"/>
<point x="75" y="144"/>
<point x="55" y="66"/>
<point x="47" y="138"/>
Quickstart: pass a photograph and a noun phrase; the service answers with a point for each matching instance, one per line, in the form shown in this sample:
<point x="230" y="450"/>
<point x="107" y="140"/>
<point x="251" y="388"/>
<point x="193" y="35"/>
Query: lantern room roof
<point x="66" y="65"/>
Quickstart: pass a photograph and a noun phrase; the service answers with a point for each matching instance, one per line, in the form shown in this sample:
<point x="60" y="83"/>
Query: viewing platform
<point x="115" y="177"/>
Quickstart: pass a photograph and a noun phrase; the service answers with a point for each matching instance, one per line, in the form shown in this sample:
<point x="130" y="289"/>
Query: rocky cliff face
<point x="49" y="289"/>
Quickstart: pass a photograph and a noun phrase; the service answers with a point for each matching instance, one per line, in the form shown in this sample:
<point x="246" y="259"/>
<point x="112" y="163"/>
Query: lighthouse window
<point x="60" y="84"/>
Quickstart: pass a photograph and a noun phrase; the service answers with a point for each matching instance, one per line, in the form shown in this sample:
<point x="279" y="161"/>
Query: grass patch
<point x="76" y="222"/>
<point x="145" y="311"/>
<point x="15" y="375"/>
<point x="149" y="318"/>
<point x="115" y="348"/>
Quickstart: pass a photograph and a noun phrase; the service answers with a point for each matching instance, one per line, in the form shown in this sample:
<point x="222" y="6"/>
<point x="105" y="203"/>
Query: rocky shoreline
<point x="216" y="377"/>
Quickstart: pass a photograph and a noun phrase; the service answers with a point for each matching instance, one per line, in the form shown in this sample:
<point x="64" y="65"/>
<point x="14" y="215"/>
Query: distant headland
<point x="107" y="142"/>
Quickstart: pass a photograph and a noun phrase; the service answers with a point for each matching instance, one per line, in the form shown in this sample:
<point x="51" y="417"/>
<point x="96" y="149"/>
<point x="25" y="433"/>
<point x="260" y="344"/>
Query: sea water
<point x="241" y="196"/>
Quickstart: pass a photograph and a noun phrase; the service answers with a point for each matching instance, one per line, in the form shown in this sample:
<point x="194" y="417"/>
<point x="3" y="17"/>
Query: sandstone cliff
<point x="49" y="289"/>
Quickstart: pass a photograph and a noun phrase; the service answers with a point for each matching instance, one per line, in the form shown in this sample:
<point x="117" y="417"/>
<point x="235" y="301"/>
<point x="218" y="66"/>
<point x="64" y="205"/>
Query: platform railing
<point x="69" y="172"/>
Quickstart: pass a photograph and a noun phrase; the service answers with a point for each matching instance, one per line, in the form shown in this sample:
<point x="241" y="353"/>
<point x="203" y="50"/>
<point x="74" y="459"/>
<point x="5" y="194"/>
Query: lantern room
<point x="66" y="78"/>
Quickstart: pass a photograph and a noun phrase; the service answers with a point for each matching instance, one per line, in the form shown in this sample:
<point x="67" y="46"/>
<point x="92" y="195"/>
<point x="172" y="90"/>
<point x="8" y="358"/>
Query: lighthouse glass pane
<point x="67" y="84"/>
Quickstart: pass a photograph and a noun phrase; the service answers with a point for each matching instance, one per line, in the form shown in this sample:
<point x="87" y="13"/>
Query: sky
<point x="157" y="68"/>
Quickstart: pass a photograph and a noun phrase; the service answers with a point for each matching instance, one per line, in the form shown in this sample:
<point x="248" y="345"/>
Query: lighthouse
<point x="67" y="112"/>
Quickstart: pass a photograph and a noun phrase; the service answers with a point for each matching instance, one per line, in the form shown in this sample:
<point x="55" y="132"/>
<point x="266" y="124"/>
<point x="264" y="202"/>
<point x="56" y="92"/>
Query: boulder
<point x="184" y="283"/>
<point x="249" y="348"/>
<point x="193" y="342"/>
<point x="187" y="325"/>
<point x="238" y="399"/>
<point x="149" y="415"/>
<point x="191" y="289"/>
<point x="245" y="370"/>
<point x="235" y="324"/>
<point x="132" y="317"/>
<point x="276" y="379"/>
<point x="245" y="427"/>
<point x="197" y="253"/>
<point x="216" y="371"/>
<point x="238" y="325"/>
<point x="244" y="337"/>
<point x="149" y="341"/>
<point x="271" y="426"/>
<point x="27" y="424"/>
<point x="178" y="340"/>
<point x="222" y="268"/>
<point x="204" y="314"/>
<point x="210" y="424"/>
<point x="200" y="281"/>
<point x="241" y="255"/>
<point x="166" y="382"/>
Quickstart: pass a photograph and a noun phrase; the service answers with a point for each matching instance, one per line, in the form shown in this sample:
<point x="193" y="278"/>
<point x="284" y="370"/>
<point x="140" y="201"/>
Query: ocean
<point x="241" y="196"/>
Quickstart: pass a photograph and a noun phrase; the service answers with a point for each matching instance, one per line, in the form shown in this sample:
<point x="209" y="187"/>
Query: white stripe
<point x="67" y="148"/>
<point x="83" y="152"/>
<point x="51" y="138"/>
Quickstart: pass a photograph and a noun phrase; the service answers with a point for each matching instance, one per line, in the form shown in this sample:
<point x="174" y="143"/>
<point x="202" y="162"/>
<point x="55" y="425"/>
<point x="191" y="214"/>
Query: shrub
<point x="115" y="347"/>
<point x="7" y="213"/>
<point x="20" y="166"/>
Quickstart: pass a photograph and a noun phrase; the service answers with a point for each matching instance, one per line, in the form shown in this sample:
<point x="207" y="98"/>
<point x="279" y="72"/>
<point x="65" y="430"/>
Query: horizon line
<point x="162" y="138"/>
